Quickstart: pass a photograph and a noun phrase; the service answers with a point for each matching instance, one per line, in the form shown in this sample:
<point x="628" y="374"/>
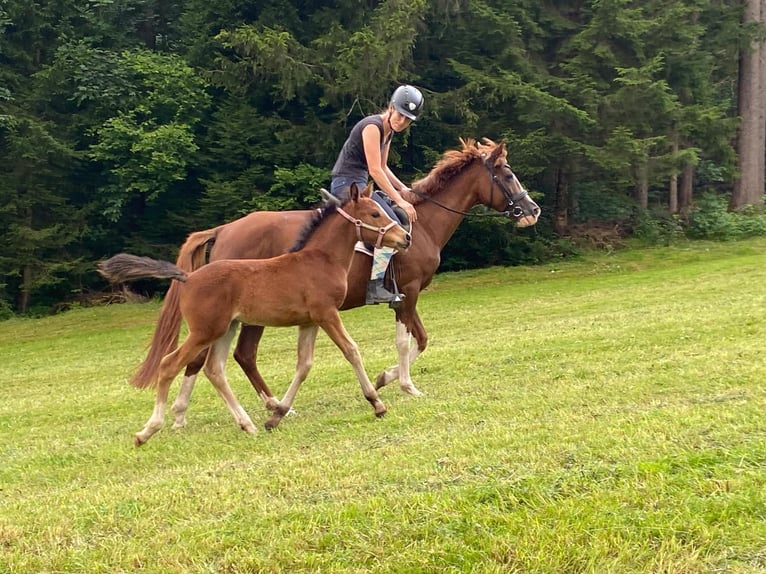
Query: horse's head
<point x="513" y="198"/>
<point x="373" y="224"/>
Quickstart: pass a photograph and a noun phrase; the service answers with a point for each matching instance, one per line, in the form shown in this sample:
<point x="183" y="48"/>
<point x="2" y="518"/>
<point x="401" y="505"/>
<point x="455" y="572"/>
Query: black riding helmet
<point x="408" y="101"/>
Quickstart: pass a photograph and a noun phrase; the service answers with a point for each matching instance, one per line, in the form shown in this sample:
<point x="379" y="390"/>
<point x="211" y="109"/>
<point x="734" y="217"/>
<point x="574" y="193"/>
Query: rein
<point x="514" y="210"/>
<point x="381" y="231"/>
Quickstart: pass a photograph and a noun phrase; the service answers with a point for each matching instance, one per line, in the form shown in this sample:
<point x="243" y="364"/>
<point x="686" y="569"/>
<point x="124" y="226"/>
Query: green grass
<point x="604" y="415"/>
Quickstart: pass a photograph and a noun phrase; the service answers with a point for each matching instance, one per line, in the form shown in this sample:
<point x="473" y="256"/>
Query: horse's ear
<point x="498" y="152"/>
<point x="328" y="198"/>
<point x="368" y="190"/>
<point x="353" y="192"/>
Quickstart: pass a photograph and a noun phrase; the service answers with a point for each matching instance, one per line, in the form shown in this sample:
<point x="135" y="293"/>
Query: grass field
<point x="604" y="415"/>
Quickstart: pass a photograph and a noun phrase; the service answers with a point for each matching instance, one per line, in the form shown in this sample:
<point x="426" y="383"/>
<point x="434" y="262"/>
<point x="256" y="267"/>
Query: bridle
<point x="381" y="231"/>
<point x="511" y="201"/>
<point x="512" y="206"/>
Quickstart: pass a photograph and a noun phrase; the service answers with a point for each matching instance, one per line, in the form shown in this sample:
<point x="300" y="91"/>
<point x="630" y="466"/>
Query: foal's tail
<point x="191" y="256"/>
<point x="165" y="338"/>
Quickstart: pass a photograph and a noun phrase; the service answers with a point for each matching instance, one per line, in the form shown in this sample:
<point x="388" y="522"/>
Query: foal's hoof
<point x="137" y="440"/>
<point x="380" y="410"/>
<point x="411" y="390"/>
<point x="272" y="422"/>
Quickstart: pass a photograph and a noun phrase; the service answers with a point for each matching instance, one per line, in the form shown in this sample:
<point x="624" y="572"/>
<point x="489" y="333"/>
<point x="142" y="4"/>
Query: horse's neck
<point x="457" y="196"/>
<point x="335" y="238"/>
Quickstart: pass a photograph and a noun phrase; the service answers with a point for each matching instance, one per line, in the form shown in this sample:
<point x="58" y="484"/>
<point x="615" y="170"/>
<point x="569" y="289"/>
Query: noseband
<point x="381" y="231"/>
<point x="512" y="206"/>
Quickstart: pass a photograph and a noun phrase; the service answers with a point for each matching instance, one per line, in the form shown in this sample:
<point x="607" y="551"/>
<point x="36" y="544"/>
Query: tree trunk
<point x="642" y="185"/>
<point x="560" y="217"/>
<point x="685" y="191"/>
<point x="673" y="189"/>
<point x="751" y="142"/>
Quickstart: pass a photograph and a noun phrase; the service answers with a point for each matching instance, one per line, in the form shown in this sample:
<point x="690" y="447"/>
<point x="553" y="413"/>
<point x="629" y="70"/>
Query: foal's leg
<point x="307" y="335"/>
<point x="245" y="354"/>
<point x="215" y="369"/>
<point x="170" y="366"/>
<point x="181" y="404"/>
<point x="334" y="328"/>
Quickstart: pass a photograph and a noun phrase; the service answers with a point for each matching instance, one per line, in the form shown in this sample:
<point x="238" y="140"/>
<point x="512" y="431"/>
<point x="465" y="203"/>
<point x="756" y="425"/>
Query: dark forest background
<point x="127" y="124"/>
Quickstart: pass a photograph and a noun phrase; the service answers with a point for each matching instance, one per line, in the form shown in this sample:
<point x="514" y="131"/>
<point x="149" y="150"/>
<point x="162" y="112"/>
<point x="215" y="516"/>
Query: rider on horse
<point x="364" y="155"/>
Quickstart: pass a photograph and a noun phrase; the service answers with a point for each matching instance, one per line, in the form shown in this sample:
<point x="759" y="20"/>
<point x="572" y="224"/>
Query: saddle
<point x="394" y="211"/>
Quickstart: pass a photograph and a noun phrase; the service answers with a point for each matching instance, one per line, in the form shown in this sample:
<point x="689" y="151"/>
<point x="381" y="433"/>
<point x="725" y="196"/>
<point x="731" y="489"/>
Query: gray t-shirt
<point x="352" y="162"/>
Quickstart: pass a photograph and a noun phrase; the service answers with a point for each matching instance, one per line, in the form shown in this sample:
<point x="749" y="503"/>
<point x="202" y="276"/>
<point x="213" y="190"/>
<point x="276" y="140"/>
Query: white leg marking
<point x="181" y="404"/>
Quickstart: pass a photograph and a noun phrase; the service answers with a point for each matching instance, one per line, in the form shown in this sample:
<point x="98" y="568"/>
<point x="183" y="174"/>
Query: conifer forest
<point x="127" y="124"/>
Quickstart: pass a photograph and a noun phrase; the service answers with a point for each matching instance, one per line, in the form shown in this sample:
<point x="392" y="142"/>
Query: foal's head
<point x="373" y="224"/>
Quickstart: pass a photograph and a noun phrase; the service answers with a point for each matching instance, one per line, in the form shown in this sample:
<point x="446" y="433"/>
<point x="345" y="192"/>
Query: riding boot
<point x="377" y="293"/>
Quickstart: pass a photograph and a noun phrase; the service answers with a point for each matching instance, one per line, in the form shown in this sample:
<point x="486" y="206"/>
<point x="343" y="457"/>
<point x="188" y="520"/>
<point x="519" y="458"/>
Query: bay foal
<point x="304" y="287"/>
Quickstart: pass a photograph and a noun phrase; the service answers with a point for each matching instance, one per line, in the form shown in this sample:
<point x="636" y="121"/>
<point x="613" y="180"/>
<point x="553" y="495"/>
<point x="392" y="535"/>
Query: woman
<point x="365" y="155"/>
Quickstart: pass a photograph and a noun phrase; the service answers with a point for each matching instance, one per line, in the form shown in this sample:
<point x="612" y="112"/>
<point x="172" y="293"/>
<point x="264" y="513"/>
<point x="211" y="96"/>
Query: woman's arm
<point x="377" y="165"/>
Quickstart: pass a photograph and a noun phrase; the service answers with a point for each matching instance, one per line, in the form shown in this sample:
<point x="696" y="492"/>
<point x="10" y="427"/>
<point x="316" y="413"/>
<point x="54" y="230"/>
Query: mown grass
<point x="604" y="415"/>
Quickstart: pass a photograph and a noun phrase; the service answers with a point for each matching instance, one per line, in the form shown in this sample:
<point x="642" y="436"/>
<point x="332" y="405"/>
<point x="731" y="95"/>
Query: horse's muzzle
<point x="526" y="219"/>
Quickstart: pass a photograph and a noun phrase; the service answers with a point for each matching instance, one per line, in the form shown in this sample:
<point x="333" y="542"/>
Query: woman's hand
<point x="409" y="209"/>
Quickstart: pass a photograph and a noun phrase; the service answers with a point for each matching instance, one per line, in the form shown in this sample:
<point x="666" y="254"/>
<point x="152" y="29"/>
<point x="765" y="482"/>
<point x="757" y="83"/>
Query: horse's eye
<point x="375" y="214"/>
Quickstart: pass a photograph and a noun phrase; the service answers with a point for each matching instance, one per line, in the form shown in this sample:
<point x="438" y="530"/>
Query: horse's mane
<point x="451" y="164"/>
<point x="316" y="220"/>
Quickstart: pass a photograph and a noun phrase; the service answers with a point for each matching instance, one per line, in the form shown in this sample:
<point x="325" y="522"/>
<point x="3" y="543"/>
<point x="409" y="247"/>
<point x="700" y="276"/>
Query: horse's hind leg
<point x="215" y="369"/>
<point x="170" y="366"/>
<point x="245" y="354"/>
<point x="338" y="334"/>
<point x="307" y="335"/>
<point x="181" y="404"/>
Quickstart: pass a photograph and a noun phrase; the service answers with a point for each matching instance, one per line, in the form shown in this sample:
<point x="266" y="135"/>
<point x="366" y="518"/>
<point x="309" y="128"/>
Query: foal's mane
<point x="452" y="163"/>
<point x="316" y="220"/>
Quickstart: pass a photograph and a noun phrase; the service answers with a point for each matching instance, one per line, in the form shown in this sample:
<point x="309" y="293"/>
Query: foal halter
<point x="381" y="231"/>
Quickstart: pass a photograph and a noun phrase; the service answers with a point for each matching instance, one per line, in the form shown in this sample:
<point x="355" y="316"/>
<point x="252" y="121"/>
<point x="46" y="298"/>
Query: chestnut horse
<point x="304" y="287"/>
<point x="477" y="174"/>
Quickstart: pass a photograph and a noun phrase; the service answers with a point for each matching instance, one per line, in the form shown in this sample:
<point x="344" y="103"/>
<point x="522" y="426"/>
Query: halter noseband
<point x="381" y="231"/>
<point x="512" y="207"/>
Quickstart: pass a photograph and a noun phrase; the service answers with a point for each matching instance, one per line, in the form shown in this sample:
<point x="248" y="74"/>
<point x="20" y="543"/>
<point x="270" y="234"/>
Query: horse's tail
<point x="191" y="256"/>
<point x="126" y="267"/>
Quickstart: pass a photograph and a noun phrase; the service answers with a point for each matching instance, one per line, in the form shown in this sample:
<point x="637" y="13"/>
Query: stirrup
<point x="397" y="301"/>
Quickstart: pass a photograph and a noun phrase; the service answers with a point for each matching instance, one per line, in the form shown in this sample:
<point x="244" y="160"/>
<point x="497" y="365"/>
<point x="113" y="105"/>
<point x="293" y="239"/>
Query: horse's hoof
<point x="411" y="390"/>
<point x="380" y="410"/>
<point x="137" y="440"/>
<point x="249" y="428"/>
<point x="179" y="424"/>
<point x="271" y="423"/>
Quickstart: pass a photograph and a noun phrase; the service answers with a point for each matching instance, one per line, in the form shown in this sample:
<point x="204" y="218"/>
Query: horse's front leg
<point x="406" y="325"/>
<point x="246" y="354"/>
<point x="181" y="404"/>
<point x="334" y="328"/>
<point x="307" y="335"/>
